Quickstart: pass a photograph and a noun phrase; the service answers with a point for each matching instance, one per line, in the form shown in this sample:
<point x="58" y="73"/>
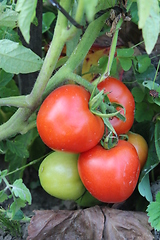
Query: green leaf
<point x="152" y="162"/>
<point x="18" y="148"/>
<point x="125" y="52"/>
<point x="143" y="11"/>
<point x="134" y="13"/>
<point x="149" y="74"/>
<point x="126" y="63"/>
<point x="21" y="191"/>
<point x="10" y="89"/>
<point x="27" y="14"/>
<point x="157" y="138"/>
<point x="15" y="207"/>
<point x="138" y="94"/>
<point x="5" y="78"/>
<point x="16" y="58"/>
<point x="8" y="18"/>
<point x="141" y="63"/>
<point x="47" y="20"/>
<point x="153" y="210"/>
<point x="3" y="196"/>
<point x="143" y="112"/>
<point x="151" y="85"/>
<point x="9" y="33"/>
<point x="144" y="188"/>
<point x="3" y="147"/>
<point x="151" y="28"/>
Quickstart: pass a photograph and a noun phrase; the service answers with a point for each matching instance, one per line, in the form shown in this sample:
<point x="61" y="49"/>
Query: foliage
<point x="20" y="144"/>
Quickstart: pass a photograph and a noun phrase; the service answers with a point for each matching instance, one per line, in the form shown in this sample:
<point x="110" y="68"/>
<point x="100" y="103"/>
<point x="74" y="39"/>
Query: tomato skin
<point x="110" y="175"/>
<point x="87" y="200"/>
<point x="140" y="145"/>
<point x="58" y="174"/>
<point x="65" y="123"/>
<point x="119" y="93"/>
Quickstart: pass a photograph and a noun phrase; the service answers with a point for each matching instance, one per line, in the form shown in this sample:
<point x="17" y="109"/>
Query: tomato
<point x="87" y="200"/>
<point x="65" y="123"/>
<point x="58" y="174"/>
<point x="140" y="145"/>
<point x="110" y="175"/>
<point x="119" y="93"/>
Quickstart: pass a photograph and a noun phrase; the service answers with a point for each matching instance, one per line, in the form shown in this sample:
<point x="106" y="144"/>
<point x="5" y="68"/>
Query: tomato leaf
<point x="16" y="58"/>
<point x="153" y="210"/>
<point x="152" y="161"/>
<point x="15" y="207"/>
<point x="18" y="148"/>
<point x="143" y="11"/>
<point x="104" y="223"/>
<point x="8" y="18"/>
<point x="3" y="196"/>
<point x="151" y="28"/>
<point x="157" y="139"/>
<point x="144" y="188"/>
<point x="47" y="20"/>
<point x="5" y="78"/>
<point x="21" y="191"/>
<point x="27" y="12"/>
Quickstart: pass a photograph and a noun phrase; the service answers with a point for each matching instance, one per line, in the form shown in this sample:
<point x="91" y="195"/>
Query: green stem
<point x="16" y="101"/>
<point x="78" y="54"/>
<point x="27" y="165"/>
<point x="111" y="54"/>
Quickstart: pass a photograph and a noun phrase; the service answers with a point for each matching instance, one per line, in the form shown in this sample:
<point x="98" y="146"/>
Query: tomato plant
<point x="119" y="93"/>
<point x="110" y="175"/>
<point x="65" y="122"/>
<point x="140" y="145"/>
<point x="58" y="174"/>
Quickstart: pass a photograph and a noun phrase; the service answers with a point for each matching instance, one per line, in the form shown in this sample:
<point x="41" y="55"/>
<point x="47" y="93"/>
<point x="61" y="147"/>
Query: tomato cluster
<point x="80" y="168"/>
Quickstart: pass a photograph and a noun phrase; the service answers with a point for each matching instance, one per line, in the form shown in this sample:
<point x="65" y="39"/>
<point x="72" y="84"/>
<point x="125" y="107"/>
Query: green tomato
<point x="58" y="174"/>
<point x="87" y="200"/>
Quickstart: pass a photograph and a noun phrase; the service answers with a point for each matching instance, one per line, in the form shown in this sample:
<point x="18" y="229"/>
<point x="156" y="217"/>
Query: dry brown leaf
<point x="94" y="223"/>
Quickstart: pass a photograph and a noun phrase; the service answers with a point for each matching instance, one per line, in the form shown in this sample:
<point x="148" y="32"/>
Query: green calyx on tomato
<point x="58" y="174"/>
<point x="65" y="123"/>
<point x="118" y="93"/>
<point x="110" y="175"/>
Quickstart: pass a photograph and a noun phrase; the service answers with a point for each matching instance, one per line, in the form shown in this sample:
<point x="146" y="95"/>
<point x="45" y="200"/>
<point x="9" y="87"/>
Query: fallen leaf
<point x="94" y="223"/>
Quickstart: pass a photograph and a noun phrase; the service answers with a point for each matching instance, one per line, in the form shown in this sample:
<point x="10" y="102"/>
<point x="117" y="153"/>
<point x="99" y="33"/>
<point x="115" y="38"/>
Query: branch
<point x="16" y="101"/>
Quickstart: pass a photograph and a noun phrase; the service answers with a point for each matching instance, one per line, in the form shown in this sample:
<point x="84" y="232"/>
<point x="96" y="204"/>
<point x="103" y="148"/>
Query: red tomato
<point x="65" y="123"/>
<point x="110" y="175"/>
<point x="119" y="93"/>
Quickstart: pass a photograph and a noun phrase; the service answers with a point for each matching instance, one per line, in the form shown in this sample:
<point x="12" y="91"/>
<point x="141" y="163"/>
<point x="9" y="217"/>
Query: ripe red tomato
<point x="110" y="175"/>
<point x="65" y="123"/>
<point x="119" y="93"/>
<point x="140" y="145"/>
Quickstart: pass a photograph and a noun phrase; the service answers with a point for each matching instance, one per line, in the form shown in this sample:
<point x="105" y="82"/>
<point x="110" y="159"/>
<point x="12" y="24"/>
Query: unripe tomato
<point x="65" y="123"/>
<point x="110" y="175"/>
<point x="87" y="200"/>
<point x="140" y="145"/>
<point x="58" y="174"/>
<point x="119" y="93"/>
